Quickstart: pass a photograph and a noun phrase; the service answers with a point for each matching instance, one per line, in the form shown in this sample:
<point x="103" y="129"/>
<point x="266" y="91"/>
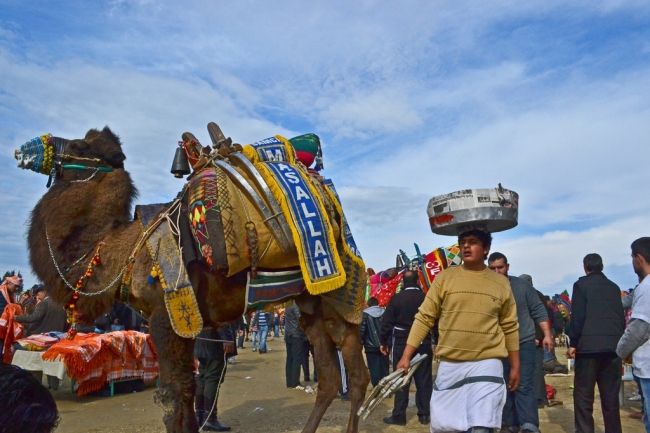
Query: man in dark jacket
<point x="211" y="349"/>
<point x="370" y="327"/>
<point x="48" y="316"/>
<point x="596" y="326"/>
<point x="395" y="327"/>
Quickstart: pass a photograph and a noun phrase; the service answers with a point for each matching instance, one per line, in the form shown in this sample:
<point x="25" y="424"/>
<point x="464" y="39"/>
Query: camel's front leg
<point x="175" y="357"/>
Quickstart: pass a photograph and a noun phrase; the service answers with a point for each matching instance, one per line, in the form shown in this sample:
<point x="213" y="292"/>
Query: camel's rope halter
<point x="47" y="155"/>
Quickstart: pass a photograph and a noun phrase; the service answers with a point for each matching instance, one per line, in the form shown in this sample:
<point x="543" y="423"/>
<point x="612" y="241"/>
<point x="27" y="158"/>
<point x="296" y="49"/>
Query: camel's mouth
<point x="39" y="154"/>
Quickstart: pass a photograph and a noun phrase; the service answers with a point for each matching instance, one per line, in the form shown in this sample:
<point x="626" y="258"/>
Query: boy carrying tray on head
<point x="478" y="326"/>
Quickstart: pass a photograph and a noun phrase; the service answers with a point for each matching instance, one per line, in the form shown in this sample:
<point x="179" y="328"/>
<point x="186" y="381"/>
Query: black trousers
<point x="423" y="382"/>
<point x="211" y="374"/>
<point x="296" y="353"/>
<point x="605" y="371"/>
<point x="540" y="382"/>
<point x="377" y="365"/>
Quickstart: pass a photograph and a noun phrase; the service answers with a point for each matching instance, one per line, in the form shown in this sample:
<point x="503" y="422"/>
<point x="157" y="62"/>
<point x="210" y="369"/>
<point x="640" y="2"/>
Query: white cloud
<point x="555" y="258"/>
<point x="411" y="100"/>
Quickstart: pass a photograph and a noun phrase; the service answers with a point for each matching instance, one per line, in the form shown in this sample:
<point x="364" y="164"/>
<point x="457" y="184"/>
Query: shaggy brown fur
<point x="77" y="216"/>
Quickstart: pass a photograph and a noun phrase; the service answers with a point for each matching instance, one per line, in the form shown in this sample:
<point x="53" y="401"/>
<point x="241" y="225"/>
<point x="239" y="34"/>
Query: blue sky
<point x="550" y="98"/>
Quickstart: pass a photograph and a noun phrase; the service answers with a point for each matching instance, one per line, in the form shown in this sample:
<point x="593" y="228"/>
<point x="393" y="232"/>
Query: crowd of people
<point x="492" y="334"/>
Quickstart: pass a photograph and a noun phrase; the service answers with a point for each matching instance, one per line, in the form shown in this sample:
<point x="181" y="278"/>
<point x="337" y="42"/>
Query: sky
<point x="411" y="99"/>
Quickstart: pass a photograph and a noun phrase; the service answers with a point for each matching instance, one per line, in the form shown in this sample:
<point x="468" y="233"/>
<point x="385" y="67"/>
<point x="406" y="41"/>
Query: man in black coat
<point x="297" y="345"/>
<point x="396" y="324"/>
<point x="597" y="324"/>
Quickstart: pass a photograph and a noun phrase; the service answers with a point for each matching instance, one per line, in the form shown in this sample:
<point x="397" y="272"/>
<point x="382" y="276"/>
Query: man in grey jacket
<point x="369" y="332"/>
<point x="636" y="339"/>
<point x="520" y="410"/>
<point x="47" y="316"/>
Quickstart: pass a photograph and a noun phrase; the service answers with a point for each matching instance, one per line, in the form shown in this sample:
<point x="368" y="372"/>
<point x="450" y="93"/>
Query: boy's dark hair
<point x="482" y="235"/>
<point x="26" y="406"/>
<point x="411" y="279"/>
<point x="497" y="256"/>
<point x="372" y="302"/>
<point x="641" y="246"/>
<point x="593" y="263"/>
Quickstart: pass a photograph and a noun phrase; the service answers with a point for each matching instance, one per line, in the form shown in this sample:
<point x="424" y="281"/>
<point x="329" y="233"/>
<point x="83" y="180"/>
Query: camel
<point x="91" y="208"/>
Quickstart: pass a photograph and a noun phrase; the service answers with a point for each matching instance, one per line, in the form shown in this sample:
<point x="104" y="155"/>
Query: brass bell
<point x="180" y="166"/>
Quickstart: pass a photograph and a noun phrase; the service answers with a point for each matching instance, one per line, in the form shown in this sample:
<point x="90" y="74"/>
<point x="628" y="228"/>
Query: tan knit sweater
<point x="476" y="312"/>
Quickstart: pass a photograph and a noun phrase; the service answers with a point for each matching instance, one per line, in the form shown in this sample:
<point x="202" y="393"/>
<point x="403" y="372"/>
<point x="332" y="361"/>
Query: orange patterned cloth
<point x="10" y="330"/>
<point x="92" y="360"/>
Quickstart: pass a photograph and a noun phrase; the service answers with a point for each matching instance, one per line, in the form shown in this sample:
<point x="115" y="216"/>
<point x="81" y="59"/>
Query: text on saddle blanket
<point x="303" y="207"/>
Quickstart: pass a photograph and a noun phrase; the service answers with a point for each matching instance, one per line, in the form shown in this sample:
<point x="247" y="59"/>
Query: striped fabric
<point x="92" y="360"/>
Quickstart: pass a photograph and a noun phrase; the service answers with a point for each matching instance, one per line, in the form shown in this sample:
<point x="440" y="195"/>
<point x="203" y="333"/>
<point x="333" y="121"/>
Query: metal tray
<point x="491" y="209"/>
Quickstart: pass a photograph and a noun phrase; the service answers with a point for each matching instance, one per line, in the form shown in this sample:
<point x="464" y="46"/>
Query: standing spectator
<point x="261" y="323"/>
<point x="305" y="363"/>
<point x="47" y="316"/>
<point x="396" y="323"/>
<point x="241" y="331"/>
<point x="211" y="348"/>
<point x="557" y="319"/>
<point x="343" y="390"/>
<point x="9" y="286"/>
<point x="477" y="318"/>
<point x="597" y="324"/>
<point x="370" y="328"/>
<point x="28" y="299"/>
<point x="296" y="343"/>
<point x="253" y="331"/>
<point x="276" y="323"/>
<point x="270" y="325"/>
<point x="520" y="410"/>
<point x="635" y="341"/>
<point x="627" y="300"/>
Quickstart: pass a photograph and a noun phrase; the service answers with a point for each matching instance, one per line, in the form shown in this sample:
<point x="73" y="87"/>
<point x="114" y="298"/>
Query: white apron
<point x="467" y="394"/>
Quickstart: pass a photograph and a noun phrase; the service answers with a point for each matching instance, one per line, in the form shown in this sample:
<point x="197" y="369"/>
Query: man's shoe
<point x="392" y="420"/>
<point x="424" y="419"/>
<point x="215" y="426"/>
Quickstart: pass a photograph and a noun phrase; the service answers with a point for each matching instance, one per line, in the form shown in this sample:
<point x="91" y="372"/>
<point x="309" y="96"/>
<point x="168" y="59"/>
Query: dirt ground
<point x="254" y="399"/>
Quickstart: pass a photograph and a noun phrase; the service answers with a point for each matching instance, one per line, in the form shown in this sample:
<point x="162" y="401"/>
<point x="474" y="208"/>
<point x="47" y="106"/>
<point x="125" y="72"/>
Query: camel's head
<point x="98" y="150"/>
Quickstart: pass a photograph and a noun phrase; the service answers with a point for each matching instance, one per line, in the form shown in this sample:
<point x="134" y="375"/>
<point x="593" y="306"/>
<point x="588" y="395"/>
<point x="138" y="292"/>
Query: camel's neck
<point x="76" y="217"/>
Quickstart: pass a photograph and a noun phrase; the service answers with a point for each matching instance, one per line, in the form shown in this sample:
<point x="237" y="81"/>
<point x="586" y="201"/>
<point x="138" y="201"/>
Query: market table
<point x="32" y="361"/>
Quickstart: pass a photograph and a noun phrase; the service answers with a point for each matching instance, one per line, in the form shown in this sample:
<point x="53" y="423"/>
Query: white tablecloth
<point x="32" y="361"/>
